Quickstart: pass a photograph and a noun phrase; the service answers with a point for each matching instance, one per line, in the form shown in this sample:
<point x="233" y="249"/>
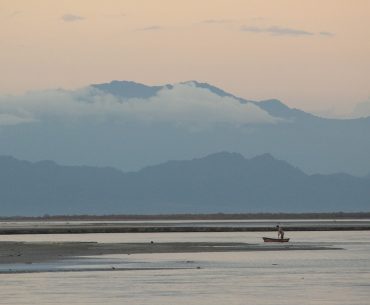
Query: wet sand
<point x="28" y="253"/>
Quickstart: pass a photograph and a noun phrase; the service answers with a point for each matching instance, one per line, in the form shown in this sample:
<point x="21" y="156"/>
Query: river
<point x="340" y="277"/>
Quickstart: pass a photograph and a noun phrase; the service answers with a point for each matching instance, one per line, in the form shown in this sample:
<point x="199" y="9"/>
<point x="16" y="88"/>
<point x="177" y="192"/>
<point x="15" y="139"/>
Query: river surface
<point x="340" y="277"/>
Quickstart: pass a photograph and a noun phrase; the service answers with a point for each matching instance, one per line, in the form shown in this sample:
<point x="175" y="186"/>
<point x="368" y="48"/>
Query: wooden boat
<point x="275" y="240"/>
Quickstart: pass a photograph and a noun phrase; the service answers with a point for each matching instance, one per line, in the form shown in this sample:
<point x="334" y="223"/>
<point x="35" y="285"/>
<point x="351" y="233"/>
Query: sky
<point x="312" y="55"/>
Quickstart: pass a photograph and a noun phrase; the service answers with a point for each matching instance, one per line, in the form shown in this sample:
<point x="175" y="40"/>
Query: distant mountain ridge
<point x="222" y="182"/>
<point x="129" y="89"/>
<point x="119" y="139"/>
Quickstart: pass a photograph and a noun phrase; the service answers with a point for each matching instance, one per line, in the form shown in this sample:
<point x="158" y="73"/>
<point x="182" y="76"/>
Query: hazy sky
<point x="313" y="55"/>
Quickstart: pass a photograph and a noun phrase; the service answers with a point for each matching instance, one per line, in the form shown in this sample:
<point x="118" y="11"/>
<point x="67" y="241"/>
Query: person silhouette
<point x="280" y="232"/>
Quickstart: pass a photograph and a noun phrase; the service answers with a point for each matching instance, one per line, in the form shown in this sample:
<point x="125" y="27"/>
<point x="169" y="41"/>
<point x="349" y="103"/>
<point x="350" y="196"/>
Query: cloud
<point x="15" y="13"/>
<point x="72" y="18"/>
<point x="328" y="34"/>
<point x="362" y="109"/>
<point x="7" y="119"/>
<point x="276" y="31"/>
<point x="217" y="21"/>
<point x="150" y="28"/>
<point x="188" y="104"/>
<point x="183" y="105"/>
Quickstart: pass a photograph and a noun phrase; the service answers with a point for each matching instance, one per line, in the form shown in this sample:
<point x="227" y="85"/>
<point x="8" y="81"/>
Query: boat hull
<point x="275" y="240"/>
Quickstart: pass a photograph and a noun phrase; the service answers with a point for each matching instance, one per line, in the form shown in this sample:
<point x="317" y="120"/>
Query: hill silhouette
<point x="222" y="182"/>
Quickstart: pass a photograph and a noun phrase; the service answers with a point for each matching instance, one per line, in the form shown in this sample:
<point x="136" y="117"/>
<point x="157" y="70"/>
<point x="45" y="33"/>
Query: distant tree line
<point x="217" y="216"/>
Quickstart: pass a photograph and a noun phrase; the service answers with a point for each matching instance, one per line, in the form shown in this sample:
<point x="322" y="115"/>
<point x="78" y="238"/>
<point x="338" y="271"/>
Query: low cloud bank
<point x="72" y="18"/>
<point x="362" y="109"/>
<point x="183" y="104"/>
<point x="276" y="30"/>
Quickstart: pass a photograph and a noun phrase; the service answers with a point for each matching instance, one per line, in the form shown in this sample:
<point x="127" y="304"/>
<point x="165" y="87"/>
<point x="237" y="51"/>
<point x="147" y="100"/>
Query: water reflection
<point x="339" y="277"/>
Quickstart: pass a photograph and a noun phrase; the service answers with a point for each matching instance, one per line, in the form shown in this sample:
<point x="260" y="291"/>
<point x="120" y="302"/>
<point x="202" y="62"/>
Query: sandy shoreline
<point x="36" y="252"/>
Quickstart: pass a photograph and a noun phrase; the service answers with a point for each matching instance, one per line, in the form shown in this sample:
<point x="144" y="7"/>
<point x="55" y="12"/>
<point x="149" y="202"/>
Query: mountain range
<point x="127" y="125"/>
<point x="221" y="182"/>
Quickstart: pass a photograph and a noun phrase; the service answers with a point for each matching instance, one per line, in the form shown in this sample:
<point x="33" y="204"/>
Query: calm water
<point x="273" y="277"/>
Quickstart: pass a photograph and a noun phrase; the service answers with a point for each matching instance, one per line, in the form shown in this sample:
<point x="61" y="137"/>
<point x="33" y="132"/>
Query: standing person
<point x="280" y="232"/>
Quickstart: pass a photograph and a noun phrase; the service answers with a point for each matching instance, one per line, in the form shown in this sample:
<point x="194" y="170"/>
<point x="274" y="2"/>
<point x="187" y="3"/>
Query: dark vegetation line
<point x="159" y="229"/>
<point x="218" y="216"/>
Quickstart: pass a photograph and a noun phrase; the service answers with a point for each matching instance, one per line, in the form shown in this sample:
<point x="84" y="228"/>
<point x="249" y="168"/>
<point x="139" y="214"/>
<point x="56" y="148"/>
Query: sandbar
<point x="38" y="252"/>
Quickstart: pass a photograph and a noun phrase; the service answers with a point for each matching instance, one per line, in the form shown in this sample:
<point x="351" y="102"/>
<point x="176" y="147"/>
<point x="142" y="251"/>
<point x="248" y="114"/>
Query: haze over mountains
<point x="221" y="182"/>
<point x="128" y="125"/>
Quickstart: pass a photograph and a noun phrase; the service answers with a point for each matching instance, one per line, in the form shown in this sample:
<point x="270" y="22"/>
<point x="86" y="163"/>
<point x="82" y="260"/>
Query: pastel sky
<point x="311" y="54"/>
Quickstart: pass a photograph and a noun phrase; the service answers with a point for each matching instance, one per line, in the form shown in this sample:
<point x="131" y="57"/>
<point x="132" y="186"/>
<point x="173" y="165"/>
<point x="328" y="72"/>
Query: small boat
<point x="275" y="240"/>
